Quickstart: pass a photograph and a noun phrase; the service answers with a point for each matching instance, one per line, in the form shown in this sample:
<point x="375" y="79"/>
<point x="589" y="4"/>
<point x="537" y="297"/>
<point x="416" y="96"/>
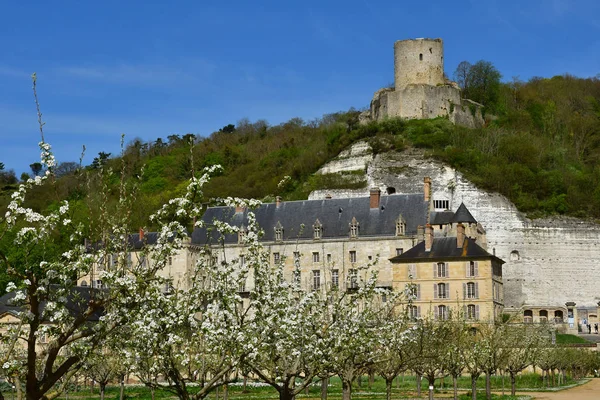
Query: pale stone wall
<point x="548" y="262"/>
<point x="418" y="61"/>
<point x="333" y="254"/>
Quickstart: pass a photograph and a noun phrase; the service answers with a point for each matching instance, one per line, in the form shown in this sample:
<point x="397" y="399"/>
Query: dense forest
<point x="540" y="148"/>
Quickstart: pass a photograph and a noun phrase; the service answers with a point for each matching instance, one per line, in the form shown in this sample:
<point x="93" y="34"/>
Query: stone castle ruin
<point x="421" y="91"/>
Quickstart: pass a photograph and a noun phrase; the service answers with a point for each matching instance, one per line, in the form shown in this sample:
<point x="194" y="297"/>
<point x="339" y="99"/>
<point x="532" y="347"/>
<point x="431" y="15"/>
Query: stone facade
<point x="420" y="89"/>
<point x="549" y="262"/>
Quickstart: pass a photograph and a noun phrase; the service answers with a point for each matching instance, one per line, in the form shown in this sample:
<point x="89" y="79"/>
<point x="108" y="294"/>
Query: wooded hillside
<point x="541" y="151"/>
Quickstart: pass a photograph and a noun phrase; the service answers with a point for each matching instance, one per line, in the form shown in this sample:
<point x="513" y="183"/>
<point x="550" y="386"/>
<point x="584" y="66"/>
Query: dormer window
<point x="354" y="228"/>
<point x="400" y="226"/>
<point x="317" y="230"/>
<point x="242" y="234"/>
<point x="278" y="232"/>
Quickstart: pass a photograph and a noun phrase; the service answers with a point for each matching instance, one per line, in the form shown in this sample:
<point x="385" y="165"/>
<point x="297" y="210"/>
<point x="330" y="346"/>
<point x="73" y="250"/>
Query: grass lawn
<point x="404" y="387"/>
<point x="565" y="338"/>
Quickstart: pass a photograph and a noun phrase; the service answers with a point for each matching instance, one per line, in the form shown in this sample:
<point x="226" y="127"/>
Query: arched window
<point x="472" y="312"/>
<point x="558" y="316"/>
<point x="421" y="57"/>
<point x="413" y="312"/>
<point x="84" y="283"/>
<point x="354" y="228"/>
<point x="528" y="316"/>
<point x="442" y="270"/>
<point x="278" y="232"/>
<point x="515" y="256"/>
<point x="543" y="316"/>
<point x="400" y="226"/>
<point x="390" y="190"/>
<point x="441" y="312"/>
<point x="317" y="230"/>
<point x="442" y="291"/>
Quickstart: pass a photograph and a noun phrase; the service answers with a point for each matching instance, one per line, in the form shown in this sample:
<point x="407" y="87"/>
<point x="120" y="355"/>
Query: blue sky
<point x="150" y="69"/>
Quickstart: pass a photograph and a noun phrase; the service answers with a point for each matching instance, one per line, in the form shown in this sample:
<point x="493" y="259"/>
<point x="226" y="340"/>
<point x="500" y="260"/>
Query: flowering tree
<point x="287" y="324"/>
<point x="44" y="254"/>
<point x="357" y="321"/>
<point x="394" y="347"/>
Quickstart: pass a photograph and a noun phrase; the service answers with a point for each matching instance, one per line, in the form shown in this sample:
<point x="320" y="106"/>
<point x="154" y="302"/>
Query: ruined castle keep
<point x="421" y="90"/>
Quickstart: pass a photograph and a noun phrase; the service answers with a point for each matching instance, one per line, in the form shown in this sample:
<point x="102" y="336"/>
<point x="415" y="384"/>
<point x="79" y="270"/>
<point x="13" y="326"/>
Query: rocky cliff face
<point x="548" y="261"/>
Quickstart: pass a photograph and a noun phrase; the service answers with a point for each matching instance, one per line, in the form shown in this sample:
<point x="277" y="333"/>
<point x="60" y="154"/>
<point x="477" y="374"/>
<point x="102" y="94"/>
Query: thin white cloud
<point x="193" y="72"/>
<point x="13" y="72"/>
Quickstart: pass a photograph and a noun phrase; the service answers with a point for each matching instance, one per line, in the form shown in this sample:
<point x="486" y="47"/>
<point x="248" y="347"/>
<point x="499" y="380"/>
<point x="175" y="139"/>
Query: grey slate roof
<point x="334" y="215"/>
<point x="76" y="303"/>
<point x="445" y="249"/>
<point x="462" y="214"/>
<point x="441" y="217"/>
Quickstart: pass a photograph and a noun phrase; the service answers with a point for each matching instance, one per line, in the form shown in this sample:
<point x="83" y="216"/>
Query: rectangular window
<point x="296" y="255"/>
<point x="297" y="277"/>
<point x="335" y="278"/>
<point x="353" y="273"/>
<point x="471" y="290"/>
<point x="316" y="280"/>
<point x="399" y="251"/>
<point x="315" y="256"/>
<point x="242" y="261"/>
<point x="329" y="258"/>
<point x="276" y="258"/>
<point x="352" y="256"/>
<point x="170" y="260"/>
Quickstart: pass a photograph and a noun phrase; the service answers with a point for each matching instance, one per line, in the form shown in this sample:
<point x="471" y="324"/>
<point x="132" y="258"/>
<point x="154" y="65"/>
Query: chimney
<point x="278" y="201"/>
<point x="427" y="189"/>
<point x="328" y="196"/>
<point x="460" y="235"/>
<point x="375" y="194"/>
<point x="141" y="234"/>
<point x="420" y="233"/>
<point x="428" y="237"/>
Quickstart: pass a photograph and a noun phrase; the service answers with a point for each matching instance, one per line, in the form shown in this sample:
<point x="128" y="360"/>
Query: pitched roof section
<point x="441" y="217"/>
<point x="445" y="248"/>
<point x="335" y="215"/>
<point x="463" y="215"/>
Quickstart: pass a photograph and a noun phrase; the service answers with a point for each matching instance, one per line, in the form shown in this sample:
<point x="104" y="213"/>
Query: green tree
<point x="36" y="168"/>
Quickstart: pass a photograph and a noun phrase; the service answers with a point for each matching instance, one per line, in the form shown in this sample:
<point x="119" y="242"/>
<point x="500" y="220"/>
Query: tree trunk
<point x="286" y="393"/>
<point x="225" y="392"/>
<point x="513" y="383"/>
<point x="553" y="378"/>
<point x="455" y="386"/>
<point x="418" y="384"/>
<point x="346" y="390"/>
<point x="152" y="392"/>
<point x="122" y="394"/>
<point x="371" y="379"/>
<point x="430" y="386"/>
<point x="474" y="387"/>
<point x="245" y="384"/>
<point x="324" y="385"/>
<point x="488" y="386"/>
<point x="388" y="388"/>
<point x="102" y="387"/>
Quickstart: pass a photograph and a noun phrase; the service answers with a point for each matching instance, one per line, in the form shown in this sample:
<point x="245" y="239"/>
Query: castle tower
<point x="418" y="61"/>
